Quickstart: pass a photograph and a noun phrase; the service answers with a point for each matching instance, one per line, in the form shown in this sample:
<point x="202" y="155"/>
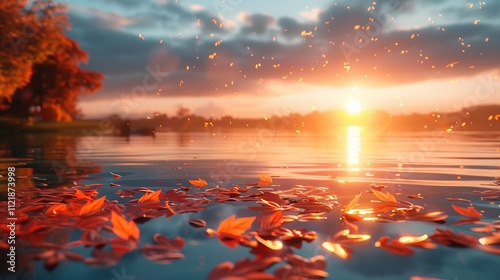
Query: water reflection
<point x="353" y="147"/>
<point x="41" y="160"/>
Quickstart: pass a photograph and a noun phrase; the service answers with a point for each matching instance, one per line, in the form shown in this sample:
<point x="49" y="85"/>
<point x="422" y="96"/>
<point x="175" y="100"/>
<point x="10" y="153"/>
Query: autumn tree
<point x="30" y="33"/>
<point x="53" y="79"/>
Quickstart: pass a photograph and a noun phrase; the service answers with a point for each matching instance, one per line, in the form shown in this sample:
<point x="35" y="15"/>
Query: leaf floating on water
<point x="467" y="212"/>
<point x="265" y="180"/>
<point x="150" y="197"/>
<point x="56" y="209"/>
<point x="394" y="246"/>
<point x="197" y="223"/>
<point x="417" y="241"/>
<point x="80" y="194"/>
<point x="387" y="197"/>
<point x="200" y="183"/>
<point x="352" y="203"/>
<point x="489" y="240"/>
<point x="235" y="226"/>
<point x="343" y="252"/>
<point x="415" y="196"/>
<point x="449" y="238"/>
<point x="122" y="228"/>
<point x="244" y="269"/>
<point x="92" y="206"/>
<point x="271" y="221"/>
<point x="164" y="250"/>
<point x="302" y="268"/>
<point x="428" y="217"/>
<point x="458" y="199"/>
<point x="271" y="244"/>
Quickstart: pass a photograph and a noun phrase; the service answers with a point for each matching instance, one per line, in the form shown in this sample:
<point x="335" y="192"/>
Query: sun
<point x="353" y="107"/>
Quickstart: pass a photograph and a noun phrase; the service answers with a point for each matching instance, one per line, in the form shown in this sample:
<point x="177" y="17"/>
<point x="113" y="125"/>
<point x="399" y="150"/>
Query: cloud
<point x="347" y="45"/>
<point x="257" y="23"/>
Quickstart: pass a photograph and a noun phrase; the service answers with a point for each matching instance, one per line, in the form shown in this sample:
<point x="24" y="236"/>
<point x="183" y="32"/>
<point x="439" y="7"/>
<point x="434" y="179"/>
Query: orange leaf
<point x="80" y="194"/>
<point x="467" y="212"/>
<point x="387" y="197"/>
<point x="56" y="209"/>
<point x="200" y="183"/>
<point x="274" y="220"/>
<point x="122" y="228"/>
<point x="92" y="206"/>
<point x="235" y="226"/>
<point x="352" y="203"/>
<point x="265" y="180"/>
<point x="151" y="196"/>
<point x="343" y="252"/>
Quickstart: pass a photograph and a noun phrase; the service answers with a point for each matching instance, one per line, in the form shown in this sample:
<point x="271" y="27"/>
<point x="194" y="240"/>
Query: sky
<point x="261" y="58"/>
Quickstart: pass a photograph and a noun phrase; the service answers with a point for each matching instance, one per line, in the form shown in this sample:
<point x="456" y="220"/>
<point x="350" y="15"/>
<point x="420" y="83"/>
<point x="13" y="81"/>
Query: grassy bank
<point x="9" y="126"/>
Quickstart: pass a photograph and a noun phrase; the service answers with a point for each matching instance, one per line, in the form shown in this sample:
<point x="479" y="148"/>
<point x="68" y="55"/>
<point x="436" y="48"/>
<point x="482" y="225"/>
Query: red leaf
<point x="467" y="212"/>
<point x="151" y="197"/>
<point x="92" y="206"/>
<point x="80" y="194"/>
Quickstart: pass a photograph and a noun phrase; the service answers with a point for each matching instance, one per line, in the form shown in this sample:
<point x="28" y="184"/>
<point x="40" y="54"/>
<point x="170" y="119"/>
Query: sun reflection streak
<point x="353" y="147"/>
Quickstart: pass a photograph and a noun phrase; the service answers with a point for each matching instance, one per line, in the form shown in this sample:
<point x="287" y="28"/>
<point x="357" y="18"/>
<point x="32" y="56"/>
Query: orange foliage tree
<point x="39" y="64"/>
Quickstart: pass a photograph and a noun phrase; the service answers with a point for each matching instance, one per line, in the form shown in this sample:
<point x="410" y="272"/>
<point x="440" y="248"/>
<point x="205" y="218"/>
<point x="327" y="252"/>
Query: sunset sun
<point x="353" y="107"/>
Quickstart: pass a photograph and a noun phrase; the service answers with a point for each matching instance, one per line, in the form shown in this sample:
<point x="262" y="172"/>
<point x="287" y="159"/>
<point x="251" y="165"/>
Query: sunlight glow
<point x="353" y="107"/>
<point x="353" y="146"/>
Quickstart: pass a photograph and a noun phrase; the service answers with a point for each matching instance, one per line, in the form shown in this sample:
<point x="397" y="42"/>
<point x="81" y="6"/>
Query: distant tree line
<point x="479" y="118"/>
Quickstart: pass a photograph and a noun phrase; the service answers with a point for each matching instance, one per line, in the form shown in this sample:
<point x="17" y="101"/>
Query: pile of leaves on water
<point x="47" y="217"/>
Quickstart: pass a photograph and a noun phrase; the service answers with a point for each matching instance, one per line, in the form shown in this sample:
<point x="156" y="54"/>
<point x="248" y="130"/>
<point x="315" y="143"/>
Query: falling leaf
<point x="467" y="212"/>
<point x="200" y="183"/>
<point x="122" y="228"/>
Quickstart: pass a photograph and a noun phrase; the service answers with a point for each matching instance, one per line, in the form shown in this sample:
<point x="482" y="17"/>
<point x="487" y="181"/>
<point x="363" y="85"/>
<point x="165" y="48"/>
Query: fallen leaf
<point x="150" y="197"/>
<point x="200" y="183"/>
<point x="387" y="197"/>
<point x="234" y="226"/>
<point x="122" y="228"/>
<point x="467" y="212"/>
<point x="265" y="180"/>
<point x="92" y="206"/>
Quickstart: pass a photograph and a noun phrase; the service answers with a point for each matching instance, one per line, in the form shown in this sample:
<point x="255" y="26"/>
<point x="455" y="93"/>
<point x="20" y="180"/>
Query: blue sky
<point x="258" y="58"/>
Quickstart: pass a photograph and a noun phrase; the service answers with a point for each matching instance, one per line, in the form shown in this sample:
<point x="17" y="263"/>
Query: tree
<point x="58" y="81"/>
<point x="29" y="35"/>
<point x="54" y="77"/>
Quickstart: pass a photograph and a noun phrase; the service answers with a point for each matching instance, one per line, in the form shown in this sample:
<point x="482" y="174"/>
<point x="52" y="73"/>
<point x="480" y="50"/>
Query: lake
<point x="424" y="168"/>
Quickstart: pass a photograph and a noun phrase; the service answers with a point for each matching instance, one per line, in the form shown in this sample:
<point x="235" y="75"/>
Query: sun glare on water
<point x="353" y="107"/>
